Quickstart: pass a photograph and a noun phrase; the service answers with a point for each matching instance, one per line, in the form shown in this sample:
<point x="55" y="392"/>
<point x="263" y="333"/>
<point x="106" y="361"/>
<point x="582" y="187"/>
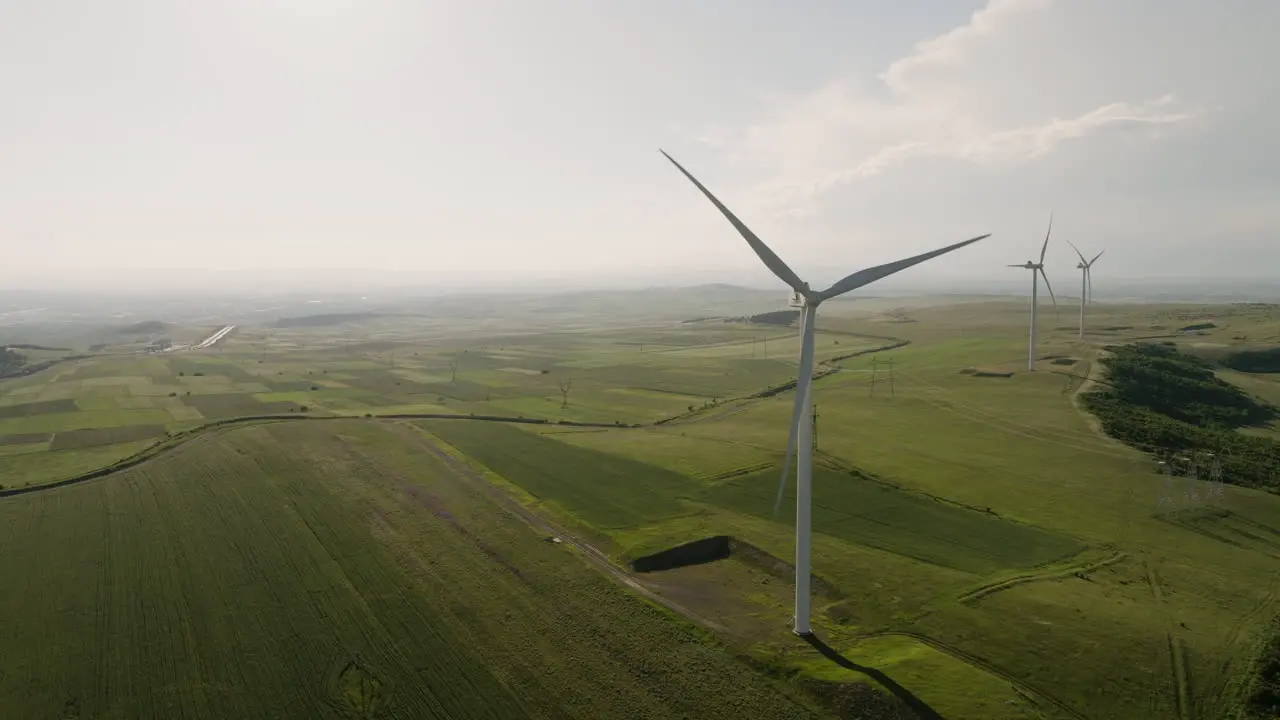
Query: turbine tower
<point x="1037" y="272"/>
<point x="800" y="438"/>
<point x="1086" y="281"/>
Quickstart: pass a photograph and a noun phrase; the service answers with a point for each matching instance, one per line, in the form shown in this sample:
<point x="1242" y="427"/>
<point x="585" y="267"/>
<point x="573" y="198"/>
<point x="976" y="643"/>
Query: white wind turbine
<point x="1037" y="272"/>
<point x="800" y="439"/>
<point x="1086" y="281"/>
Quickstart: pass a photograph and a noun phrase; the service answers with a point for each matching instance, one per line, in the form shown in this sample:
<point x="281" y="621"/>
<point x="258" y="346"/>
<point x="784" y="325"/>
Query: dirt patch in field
<point x="742" y="600"/>
<point x="24" y="438"/>
<point x="743" y="589"/>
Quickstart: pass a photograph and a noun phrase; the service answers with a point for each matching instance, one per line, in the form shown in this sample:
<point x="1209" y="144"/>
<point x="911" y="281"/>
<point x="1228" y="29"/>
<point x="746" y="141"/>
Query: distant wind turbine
<point x="1086" y="281"/>
<point x="800" y="439"/>
<point x="1037" y="272"/>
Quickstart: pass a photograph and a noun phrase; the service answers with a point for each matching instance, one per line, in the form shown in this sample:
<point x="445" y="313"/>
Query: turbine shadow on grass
<point x="918" y="706"/>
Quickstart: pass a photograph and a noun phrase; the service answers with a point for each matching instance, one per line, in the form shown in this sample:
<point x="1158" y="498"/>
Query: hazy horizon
<point x="495" y="145"/>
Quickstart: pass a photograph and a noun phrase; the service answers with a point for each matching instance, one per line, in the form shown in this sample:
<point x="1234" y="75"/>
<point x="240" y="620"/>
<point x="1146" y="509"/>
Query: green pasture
<point x="390" y="586"/>
<point x="978" y="541"/>
<point x="606" y="491"/>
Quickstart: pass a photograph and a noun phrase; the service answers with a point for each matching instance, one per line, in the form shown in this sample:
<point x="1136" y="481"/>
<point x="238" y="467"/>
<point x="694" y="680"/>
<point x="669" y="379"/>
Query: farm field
<point x="982" y="550"/>
<point x="76" y="413"/>
<point x="240" y="577"/>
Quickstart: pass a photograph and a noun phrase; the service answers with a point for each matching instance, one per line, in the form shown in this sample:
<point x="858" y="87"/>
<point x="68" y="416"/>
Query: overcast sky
<point x="486" y="140"/>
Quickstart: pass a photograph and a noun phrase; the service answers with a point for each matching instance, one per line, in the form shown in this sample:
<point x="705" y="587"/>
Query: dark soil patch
<point x="25" y="438"/>
<point x="1198" y="326"/>
<point x="97" y="437"/>
<point x="45" y="407"/>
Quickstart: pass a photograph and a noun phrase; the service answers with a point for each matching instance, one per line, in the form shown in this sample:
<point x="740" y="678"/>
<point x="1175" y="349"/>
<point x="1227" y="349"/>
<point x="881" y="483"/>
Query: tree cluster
<point x="11" y="361"/>
<point x="1254" y="361"/>
<point x="1165" y="402"/>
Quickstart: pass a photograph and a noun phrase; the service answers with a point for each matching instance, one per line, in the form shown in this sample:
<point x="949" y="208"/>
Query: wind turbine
<point x="1037" y="272"/>
<point x="1086" y="281"/>
<point x="800" y="439"/>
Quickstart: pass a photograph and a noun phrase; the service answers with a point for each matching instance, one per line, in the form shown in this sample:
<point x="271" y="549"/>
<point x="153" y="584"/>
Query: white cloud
<point x="953" y="47"/>
<point x="998" y="92"/>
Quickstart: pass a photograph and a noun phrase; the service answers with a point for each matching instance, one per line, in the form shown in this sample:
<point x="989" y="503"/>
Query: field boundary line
<point x="1177" y="663"/>
<point x="175" y="441"/>
<point x="1048" y="574"/>
<point x="829" y="366"/>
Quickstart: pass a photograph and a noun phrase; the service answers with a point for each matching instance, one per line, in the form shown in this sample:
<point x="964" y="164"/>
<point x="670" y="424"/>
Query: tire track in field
<point x="966" y="409"/>
<point x="589" y="552"/>
<point x="1049" y="574"/>
<point x="1177" y="662"/>
<point x="1263" y="606"/>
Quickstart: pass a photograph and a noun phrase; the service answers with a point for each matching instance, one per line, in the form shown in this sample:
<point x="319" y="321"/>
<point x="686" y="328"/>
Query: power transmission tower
<point x="565" y="385"/>
<point x="879" y="375"/>
<point x="1191" y="491"/>
<point x="1165" y="499"/>
<point x="1215" y="481"/>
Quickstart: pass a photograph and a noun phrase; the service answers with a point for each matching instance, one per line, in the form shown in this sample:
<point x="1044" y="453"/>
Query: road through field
<point x="214" y="338"/>
<point x="589" y="552"/>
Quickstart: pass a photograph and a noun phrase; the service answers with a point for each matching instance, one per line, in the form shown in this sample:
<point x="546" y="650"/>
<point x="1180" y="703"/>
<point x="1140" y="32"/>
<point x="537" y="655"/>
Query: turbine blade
<point x="1018" y="266"/>
<point x="1045" y="247"/>
<point x="795" y="427"/>
<point x="870" y="275"/>
<point x="1095" y="257"/>
<point x="1050" y="287"/>
<point x="791" y="452"/>
<point x="1088" y="278"/>
<point x="774" y="263"/>
<point x="1073" y="247"/>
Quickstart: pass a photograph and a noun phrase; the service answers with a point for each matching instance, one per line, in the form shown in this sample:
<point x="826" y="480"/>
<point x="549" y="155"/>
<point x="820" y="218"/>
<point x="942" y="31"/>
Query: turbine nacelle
<point x="1037" y="273"/>
<point x="1086" y="267"/>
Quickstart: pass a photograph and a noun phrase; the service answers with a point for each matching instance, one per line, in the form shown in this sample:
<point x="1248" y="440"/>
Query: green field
<point x="604" y="490"/>
<point x="981" y="548"/>
<point x="240" y="577"/>
<point x="915" y="526"/>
